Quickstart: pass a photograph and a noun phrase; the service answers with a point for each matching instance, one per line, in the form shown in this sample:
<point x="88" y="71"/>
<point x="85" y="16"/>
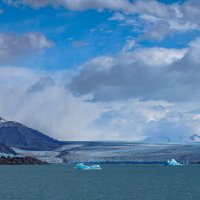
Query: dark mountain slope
<point x="6" y="149"/>
<point x="17" y="135"/>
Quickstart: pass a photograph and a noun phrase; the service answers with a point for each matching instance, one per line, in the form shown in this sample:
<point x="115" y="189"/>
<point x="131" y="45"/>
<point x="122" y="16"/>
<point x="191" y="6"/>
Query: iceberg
<point x="82" y="166"/>
<point x="173" y="162"/>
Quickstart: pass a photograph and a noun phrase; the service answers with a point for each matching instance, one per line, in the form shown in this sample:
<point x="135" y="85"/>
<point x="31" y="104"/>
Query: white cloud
<point x="158" y="56"/>
<point x="18" y="77"/>
<point x="139" y="93"/>
<point x="158" y="19"/>
<point x="173" y="20"/>
<point x="190" y="62"/>
<point x="179" y="18"/>
<point x="13" y="46"/>
<point x="130" y="43"/>
<point x="142" y="73"/>
<point x="39" y="41"/>
<point x="152" y="8"/>
<point x="128" y="119"/>
<point x="118" y="17"/>
<point x="77" y="4"/>
<point x="56" y="112"/>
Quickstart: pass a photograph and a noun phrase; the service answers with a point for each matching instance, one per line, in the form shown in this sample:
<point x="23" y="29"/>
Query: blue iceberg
<point x="173" y="162"/>
<point x="82" y="166"/>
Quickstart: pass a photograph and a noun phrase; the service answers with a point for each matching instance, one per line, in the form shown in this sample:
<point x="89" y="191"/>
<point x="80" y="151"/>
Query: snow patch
<point x="2" y="120"/>
<point x="7" y="123"/>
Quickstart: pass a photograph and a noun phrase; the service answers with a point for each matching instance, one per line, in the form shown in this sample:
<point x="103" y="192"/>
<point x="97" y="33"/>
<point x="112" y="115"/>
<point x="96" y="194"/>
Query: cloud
<point x="174" y="16"/>
<point x="54" y="110"/>
<point x="76" y="4"/>
<point x="58" y="113"/>
<point x="129" y="119"/>
<point x="118" y="17"/>
<point x="130" y="43"/>
<point x="141" y="92"/>
<point x="79" y="43"/>
<point x="170" y="19"/>
<point x="158" y="19"/>
<point x="13" y="46"/>
<point x="142" y="73"/>
<point x="190" y="62"/>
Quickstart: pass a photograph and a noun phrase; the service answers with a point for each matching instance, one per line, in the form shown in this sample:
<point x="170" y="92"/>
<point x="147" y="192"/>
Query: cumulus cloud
<point x="142" y="73"/>
<point x="13" y="46"/>
<point x="190" y="62"/>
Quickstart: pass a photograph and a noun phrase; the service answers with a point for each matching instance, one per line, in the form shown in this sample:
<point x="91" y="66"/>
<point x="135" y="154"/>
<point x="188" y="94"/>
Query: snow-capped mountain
<point x="15" y="134"/>
<point x="5" y="123"/>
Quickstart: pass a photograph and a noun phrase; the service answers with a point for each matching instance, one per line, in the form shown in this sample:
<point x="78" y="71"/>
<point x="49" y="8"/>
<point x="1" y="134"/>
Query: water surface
<point x="118" y="182"/>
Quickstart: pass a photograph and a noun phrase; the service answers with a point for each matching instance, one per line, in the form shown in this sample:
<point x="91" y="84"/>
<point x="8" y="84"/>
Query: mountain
<point x="195" y="138"/>
<point x="160" y="138"/>
<point x="18" y="135"/>
<point x="20" y="161"/>
<point x="7" y="150"/>
<point x="174" y="139"/>
<point x="42" y="84"/>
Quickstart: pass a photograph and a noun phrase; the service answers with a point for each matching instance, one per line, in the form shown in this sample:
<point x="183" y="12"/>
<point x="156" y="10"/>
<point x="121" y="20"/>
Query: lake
<point x="117" y="182"/>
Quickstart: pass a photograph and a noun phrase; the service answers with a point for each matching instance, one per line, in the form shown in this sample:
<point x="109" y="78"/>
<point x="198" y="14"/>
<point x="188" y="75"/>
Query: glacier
<point x="173" y="162"/>
<point x="45" y="156"/>
<point x="82" y="166"/>
<point x="10" y="155"/>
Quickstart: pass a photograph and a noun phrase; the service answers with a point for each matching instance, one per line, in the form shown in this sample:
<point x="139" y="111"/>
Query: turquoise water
<point x="118" y="182"/>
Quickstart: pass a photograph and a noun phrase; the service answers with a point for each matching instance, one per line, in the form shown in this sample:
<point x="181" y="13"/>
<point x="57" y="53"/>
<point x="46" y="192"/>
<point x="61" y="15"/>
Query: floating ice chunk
<point x="82" y="166"/>
<point x="173" y="162"/>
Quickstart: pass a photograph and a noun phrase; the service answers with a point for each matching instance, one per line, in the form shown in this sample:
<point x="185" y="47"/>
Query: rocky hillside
<point x="20" y="161"/>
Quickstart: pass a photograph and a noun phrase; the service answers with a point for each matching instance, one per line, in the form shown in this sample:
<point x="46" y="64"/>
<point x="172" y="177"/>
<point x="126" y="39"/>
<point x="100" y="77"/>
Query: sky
<point x="102" y="69"/>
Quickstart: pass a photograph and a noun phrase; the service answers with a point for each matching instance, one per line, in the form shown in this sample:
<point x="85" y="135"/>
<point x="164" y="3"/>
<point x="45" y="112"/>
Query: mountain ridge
<point x="15" y="134"/>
